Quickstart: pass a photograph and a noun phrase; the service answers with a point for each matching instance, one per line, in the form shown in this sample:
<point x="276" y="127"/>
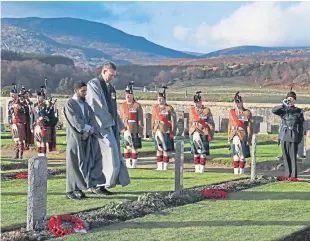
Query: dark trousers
<point x="289" y="151"/>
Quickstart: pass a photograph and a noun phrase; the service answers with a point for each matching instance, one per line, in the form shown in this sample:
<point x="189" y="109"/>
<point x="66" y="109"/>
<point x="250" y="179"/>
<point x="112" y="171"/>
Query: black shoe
<point x="97" y="190"/>
<point x="106" y="192"/>
<point x="72" y="196"/>
<point x="79" y="194"/>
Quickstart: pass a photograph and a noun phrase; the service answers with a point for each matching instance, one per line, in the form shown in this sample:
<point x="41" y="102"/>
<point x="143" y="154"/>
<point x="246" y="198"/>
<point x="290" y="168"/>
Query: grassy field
<point x="263" y="213"/>
<point x="266" y="150"/>
<point x="14" y="193"/>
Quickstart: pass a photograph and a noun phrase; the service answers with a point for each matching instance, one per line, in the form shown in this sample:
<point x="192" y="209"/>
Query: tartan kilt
<point x="245" y="149"/>
<point x="137" y="143"/>
<point x="29" y="135"/>
<point x="169" y="142"/>
<point x="205" y="142"/>
<point x="47" y="134"/>
<point x="21" y="132"/>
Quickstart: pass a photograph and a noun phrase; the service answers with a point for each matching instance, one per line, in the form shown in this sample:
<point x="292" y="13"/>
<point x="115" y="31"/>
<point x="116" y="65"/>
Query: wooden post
<point x="179" y="162"/>
<point x="253" y="162"/>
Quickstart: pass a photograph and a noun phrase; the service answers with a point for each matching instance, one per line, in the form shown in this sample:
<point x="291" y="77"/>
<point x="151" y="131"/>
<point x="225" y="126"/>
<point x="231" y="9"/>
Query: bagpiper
<point x="52" y="123"/>
<point x="239" y="134"/>
<point x="291" y="131"/>
<point x="17" y="121"/>
<point x="24" y="96"/>
<point x="131" y="114"/>
<point x="163" y="127"/>
<point x="44" y="119"/>
<point x="201" y="130"/>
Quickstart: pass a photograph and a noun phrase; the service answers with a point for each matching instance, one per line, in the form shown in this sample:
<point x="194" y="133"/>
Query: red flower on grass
<point x="62" y="225"/>
<point x="288" y="179"/>
<point x="214" y="193"/>
<point x="22" y="175"/>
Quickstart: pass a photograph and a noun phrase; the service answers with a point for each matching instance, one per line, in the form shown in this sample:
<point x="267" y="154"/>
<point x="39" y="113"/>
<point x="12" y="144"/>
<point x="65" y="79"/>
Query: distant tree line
<point x="46" y="59"/>
<point x="61" y="77"/>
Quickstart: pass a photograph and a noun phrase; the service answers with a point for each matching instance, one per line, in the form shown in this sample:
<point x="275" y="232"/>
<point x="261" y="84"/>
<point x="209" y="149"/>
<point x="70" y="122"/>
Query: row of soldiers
<point x="201" y="130"/>
<point x="29" y="121"/>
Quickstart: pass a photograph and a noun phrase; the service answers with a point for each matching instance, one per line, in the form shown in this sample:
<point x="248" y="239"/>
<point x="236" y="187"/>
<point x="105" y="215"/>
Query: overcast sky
<point x="188" y="26"/>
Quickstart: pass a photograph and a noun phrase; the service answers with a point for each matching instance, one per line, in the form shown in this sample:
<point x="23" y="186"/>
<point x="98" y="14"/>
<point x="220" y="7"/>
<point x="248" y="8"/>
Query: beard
<point x="82" y="98"/>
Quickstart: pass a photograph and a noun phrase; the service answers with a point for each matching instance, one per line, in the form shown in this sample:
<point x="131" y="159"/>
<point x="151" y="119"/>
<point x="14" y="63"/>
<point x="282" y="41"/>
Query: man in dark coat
<point x="291" y="131"/>
<point x="83" y="156"/>
<point x="101" y="97"/>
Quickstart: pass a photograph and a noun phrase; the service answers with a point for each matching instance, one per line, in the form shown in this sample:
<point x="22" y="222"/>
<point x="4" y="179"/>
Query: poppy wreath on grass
<point x="22" y="175"/>
<point x="214" y="193"/>
<point x="61" y="225"/>
<point x="288" y="179"/>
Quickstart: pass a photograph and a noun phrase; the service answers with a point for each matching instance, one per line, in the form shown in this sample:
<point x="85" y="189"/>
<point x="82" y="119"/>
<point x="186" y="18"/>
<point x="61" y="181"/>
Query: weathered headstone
<point x="179" y="163"/>
<point x="253" y="161"/>
<point x="37" y="192"/>
<point x="180" y="124"/>
<point x="186" y="127"/>
<point x="1" y="120"/>
<point x="217" y="123"/>
<point x="263" y="127"/>
<point x="256" y="123"/>
<point x="274" y="129"/>
<point x="147" y="129"/>
<point x="224" y="124"/>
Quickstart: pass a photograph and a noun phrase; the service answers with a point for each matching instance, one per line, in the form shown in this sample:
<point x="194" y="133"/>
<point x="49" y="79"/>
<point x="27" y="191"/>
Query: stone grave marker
<point x="263" y="128"/>
<point x="179" y="165"/>
<point x="37" y="192"/>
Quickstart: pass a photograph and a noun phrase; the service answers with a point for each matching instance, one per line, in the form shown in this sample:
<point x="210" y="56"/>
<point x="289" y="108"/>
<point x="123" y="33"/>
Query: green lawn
<point x="14" y="193"/>
<point x="263" y="213"/>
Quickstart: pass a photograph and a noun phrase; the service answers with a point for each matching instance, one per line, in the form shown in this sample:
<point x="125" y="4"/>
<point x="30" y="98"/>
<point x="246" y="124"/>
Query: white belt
<point x="157" y="121"/>
<point x="237" y="128"/>
<point x="131" y="121"/>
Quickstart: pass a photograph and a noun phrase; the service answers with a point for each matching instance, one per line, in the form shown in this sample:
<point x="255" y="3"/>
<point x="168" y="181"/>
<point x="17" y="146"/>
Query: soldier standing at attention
<point x="291" y="131"/>
<point x="201" y="127"/>
<point x="163" y="127"/>
<point x="239" y="134"/>
<point x="131" y="114"/>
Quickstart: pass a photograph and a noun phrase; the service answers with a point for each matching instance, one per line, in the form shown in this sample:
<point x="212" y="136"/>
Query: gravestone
<point x="274" y="129"/>
<point x="224" y="124"/>
<point x="1" y="120"/>
<point x="253" y="161"/>
<point x="147" y="129"/>
<point x="180" y="124"/>
<point x="179" y="164"/>
<point x="256" y="123"/>
<point x="37" y="192"/>
<point x="217" y="123"/>
<point x="186" y="127"/>
<point x="263" y="127"/>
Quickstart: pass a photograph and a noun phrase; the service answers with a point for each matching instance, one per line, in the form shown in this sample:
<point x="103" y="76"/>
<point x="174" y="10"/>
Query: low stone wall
<point x="263" y="119"/>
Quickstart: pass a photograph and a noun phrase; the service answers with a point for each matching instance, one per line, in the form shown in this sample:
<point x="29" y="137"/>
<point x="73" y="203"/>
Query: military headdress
<point x="238" y="98"/>
<point x="23" y="91"/>
<point x="14" y="90"/>
<point x="197" y="97"/>
<point x="41" y="92"/>
<point x="291" y="93"/>
<point x="163" y="94"/>
<point x="129" y="88"/>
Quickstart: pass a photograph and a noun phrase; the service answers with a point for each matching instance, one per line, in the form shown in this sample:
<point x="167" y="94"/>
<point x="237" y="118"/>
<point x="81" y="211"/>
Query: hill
<point x="252" y="50"/>
<point x="87" y="43"/>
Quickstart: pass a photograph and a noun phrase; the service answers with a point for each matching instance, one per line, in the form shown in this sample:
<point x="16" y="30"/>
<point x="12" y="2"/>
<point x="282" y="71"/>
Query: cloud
<point x="258" y="23"/>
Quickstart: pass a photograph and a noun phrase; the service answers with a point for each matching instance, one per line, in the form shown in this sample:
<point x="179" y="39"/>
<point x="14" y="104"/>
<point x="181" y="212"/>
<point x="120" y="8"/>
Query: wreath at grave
<point x="214" y="193"/>
<point x="22" y="175"/>
<point x="288" y="179"/>
<point x="62" y="225"/>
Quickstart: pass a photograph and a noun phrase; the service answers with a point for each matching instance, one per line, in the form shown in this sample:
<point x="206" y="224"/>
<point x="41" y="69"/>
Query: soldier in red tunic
<point x="131" y="114"/>
<point x="17" y="118"/>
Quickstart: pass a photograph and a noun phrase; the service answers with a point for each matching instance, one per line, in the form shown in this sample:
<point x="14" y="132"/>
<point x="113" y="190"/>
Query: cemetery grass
<point x="267" y="149"/>
<point x="14" y="193"/>
<point x="267" y="212"/>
